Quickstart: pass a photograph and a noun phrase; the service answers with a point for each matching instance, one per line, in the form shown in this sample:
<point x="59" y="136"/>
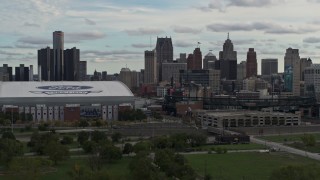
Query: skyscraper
<point x="209" y="61"/>
<point x="304" y="63"/>
<point x="251" y="63"/>
<point x="164" y="51"/>
<point x="269" y="66"/>
<point x="71" y="64"/>
<point x="58" y="47"/>
<point x="83" y="71"/>
<point x="46" y="64"/>
<point x="6" y="73"/>
<point x="195" y="63"/>
<point x="150" y="67"/>
<point x="228" y="61"/>
<point x="21" y="73"/>
<point x="241" y="71"/>
<point x="292" y="71"/>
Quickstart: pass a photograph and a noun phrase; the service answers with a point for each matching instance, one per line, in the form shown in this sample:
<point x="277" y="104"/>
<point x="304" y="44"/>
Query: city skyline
<point x="112" y="35"/>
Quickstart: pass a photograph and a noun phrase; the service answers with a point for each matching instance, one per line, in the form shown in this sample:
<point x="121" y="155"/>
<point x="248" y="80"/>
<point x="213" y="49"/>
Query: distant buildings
<point x="292" y="71"/>
<point x="83" y="71"/>
<point x="269" y="66"/>
<point x="164" y="51"/>
<point x="241" y="70"/>
<point x="195" y="62"/>
<point x="150" y="67"/>
<point x="171" y="70"/>
<point x="6" y="73"/>
<point x="209" y="61"/>
<point x="312" y="80"/>
<point x="21" y="73"/>
<point x="251" y="69"/>
<point x="228" y="61"/>
<point x="58" y="64"/>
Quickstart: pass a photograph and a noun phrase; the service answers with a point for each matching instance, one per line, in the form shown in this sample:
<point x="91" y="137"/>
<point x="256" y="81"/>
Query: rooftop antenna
<point x="228" y="35"/>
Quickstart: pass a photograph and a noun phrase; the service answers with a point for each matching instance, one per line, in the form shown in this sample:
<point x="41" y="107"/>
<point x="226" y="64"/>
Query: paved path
<point x="288" y="149"/>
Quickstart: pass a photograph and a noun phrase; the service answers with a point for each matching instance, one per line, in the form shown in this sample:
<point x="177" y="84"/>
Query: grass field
<point x="234" y="146"/>
<point x="248" y="166"/>
<point x="287" y="138"/>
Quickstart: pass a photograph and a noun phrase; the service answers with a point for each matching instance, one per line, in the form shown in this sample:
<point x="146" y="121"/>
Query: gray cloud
<point x="34" y="40"/>
<point x="89" y="22"/>
<point x="9" y="53"/>
<point x="312" y="40"/>
<point x="266" y="27"/>
<point x="83" y="36"/>
<point x="27" y="46"/>
<point x="6" y="47"/>
<point x="108" y="53"/>
<point x="243" y="41"/>
<point x="184" y="44"/>
<point x="222" y="5"/>
<point x="31" y="24"/>
<point x="141" y="45"/>
<point x="144" y="31"/>
<point x="318" y="47"/>
<point x="186" y="30"/>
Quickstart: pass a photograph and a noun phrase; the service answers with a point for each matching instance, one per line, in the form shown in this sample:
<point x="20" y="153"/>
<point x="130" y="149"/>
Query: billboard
<point x="288" y="78"/>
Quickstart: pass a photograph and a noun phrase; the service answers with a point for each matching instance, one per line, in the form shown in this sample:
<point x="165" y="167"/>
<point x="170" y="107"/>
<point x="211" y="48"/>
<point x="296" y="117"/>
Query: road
<point x="285" y="148"/>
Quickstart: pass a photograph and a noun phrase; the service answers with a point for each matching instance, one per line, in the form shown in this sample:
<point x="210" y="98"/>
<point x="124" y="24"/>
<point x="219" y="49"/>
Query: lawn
<point x="301" y="146"/>
<point x="234" y="146"/>
<point x="249" y="166"/>
<point x="287" y="138"/>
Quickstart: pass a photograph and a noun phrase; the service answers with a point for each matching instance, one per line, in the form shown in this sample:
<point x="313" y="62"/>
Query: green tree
<point x="116" y="137"/>
<point x="110" y="153"/>
<point x="9" y="148"/>
<point x="97" y="136"/>
<point x="141" y="147"/>
<point x="8" y="135"/>
<point x="128" y="148"/>
<point x="83" y="123"/>
<point x="141" y="167"/>
<point x="309" y="140"/>
<point x="67" y="140"/>
<point x="83" y="137"/>
<point x="56" y="152"/>
<point x="29" y="168"/>
<point x="39" y="142"/>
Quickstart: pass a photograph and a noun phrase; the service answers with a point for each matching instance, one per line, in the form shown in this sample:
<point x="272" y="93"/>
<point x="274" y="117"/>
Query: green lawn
<point x="288" y="138"/>
<point x="249" y="166"/>
<point x="234" y="146"/>
<point x="301" y="146"/>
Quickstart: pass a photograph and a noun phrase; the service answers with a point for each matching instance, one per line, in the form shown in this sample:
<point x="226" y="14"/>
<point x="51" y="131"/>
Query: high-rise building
<point x="21" y="73"/>
<point x="209" y="61"/>
<point x="251" y="63"/>
<point x="150" y="67"/>
<point x="194" y="60"/>
<point x="46" y="64"/>
<point x="312" y="80"/>
<point x="6" y="73"/>
<point x="71" y="64"/>
<point x="269" y="67"/>
<point x="206" y="78"/>
<point x="228" y="61"/>
<point x="31" y="73"/>
<point x="83" y="71"/>
<point x="190" y="61"/>
<point x="292" y="71"/>
<point x="104" y="75"/>
<point x="171" y="70"/>
<point x="125" y="76"/>
<point x="304" y="63"/>
<point x="164" y="51"/>
<point x="241" y="70"/>
<point x="58" y="47"/>
<point x="182" y="58"/>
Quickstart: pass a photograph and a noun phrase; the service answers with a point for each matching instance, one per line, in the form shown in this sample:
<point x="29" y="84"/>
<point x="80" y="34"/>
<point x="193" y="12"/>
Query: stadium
<point x="65" y="100"/>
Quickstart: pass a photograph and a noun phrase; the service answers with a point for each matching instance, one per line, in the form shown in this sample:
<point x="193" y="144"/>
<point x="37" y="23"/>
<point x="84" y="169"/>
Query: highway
<point x="288" y="149"/>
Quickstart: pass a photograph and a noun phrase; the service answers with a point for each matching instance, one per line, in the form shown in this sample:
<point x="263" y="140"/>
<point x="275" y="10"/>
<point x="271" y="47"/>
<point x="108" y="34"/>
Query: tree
<point x="116" y="137"/>
<point x="56" y="152"/>
<point x="83" y="123"/>
<point x="8" y="135"/>
<point x="39" y="142"/>
<point x="9" y="148"/>
<point x="128" y="148"/>
<point x="141" y="167"/>
<point x="309" y="140"/>
<point x="83" y="137"/>
<point x="110" y="152"/>
<point x="29" y="168"/>
<point x="141" y="146"/>
<point x="67" y="140"/>
<point x="97" y="136"/>
<point x="309" y="172"/>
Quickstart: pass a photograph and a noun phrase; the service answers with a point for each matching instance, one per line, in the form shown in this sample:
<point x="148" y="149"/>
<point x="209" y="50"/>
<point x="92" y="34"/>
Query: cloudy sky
<point x="112" y="34"/>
